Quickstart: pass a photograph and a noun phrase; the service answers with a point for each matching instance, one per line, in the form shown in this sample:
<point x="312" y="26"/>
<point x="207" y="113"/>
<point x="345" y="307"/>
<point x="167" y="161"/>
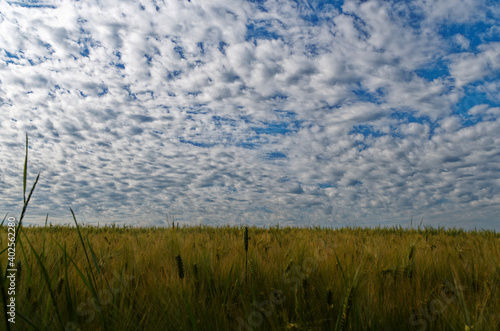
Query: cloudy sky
<point x="271" y="112"/>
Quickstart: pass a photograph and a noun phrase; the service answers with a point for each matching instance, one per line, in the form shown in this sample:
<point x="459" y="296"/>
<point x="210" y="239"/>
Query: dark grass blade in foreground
<point x="245" y="243"/>
<point x="46" y="277"/>
<point x="25" y="170"/>
<point x="17" y="231"/>
<point x="93" y="288"/>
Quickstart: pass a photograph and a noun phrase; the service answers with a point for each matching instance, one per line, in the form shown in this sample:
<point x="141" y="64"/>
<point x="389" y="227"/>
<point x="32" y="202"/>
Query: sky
<point x="290" y="113"/>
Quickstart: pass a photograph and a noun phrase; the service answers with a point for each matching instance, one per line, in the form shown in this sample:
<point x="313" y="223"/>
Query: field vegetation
<point x="199" y="278"/>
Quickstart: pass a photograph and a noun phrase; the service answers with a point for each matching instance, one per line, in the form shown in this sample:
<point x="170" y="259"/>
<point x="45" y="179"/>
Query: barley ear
<point x="329" y="297"/>
<point x="245" y="238"/>
<point x="245" y="243"/>
<point x="180" y="266"/>
<point x="345" y="310"/>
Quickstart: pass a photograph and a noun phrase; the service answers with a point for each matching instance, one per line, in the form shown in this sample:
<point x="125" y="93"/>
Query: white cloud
<point x="135" y="111"/>
<point x="470" y="67"/>
<point x="460" y="40"/>
<point x="457" y="11"/>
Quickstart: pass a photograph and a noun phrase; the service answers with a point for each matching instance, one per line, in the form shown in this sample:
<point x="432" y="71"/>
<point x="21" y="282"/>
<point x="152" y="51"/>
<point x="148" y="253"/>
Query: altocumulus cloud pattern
<point x="265" y="112"/>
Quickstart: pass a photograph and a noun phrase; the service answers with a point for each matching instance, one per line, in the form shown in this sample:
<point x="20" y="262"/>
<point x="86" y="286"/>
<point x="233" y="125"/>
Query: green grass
<point x="249" y="278"/>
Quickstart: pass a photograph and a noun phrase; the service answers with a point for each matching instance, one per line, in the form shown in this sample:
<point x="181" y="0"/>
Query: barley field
<point x="248" y="278"/>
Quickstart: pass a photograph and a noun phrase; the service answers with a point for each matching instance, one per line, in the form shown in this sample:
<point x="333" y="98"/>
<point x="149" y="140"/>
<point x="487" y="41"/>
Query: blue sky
<point x="325" y="113"/>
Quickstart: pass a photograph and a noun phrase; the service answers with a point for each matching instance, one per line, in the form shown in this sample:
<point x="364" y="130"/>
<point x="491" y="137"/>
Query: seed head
<point x="180" y="266"/>
<point x="245" y="238"/>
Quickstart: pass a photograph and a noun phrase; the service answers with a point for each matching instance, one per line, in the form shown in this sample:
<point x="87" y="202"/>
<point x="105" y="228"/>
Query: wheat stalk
<point x="196" y="280"/>
<point x="245" y="243"/>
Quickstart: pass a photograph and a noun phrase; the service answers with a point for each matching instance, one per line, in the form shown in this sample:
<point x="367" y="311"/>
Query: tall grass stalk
<point x="245" y="244"/>
<point x="18" y="228"/>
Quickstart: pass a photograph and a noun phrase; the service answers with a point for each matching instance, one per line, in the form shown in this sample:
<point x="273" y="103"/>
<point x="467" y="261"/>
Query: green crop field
<point x="202" y="278"/>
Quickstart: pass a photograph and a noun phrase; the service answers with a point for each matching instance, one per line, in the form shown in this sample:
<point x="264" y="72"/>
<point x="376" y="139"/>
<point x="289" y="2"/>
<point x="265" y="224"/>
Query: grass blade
<point x="84" y="248"/>
<point x="27" y="320"/>
<point x="25" y="170"/>
<point x="46" y="277"/>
